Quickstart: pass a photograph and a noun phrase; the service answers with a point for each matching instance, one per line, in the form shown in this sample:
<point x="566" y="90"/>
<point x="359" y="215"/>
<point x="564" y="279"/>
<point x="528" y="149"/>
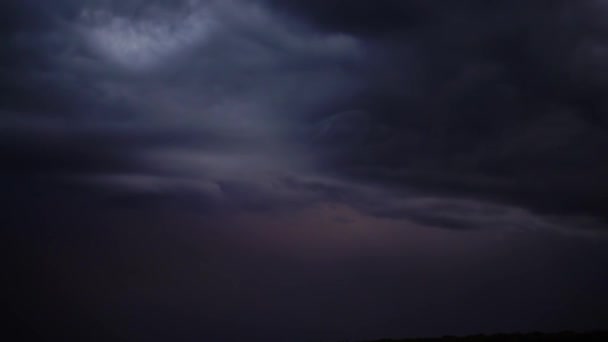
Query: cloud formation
<point x="499" y="102"/>
<point x="229" y="170"/>
<point x="472" y="102"/>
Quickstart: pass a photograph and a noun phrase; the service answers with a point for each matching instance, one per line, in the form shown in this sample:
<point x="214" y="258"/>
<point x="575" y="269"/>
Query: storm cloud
<point x="267" y="166"/>
<point x="499" y="102"/>
<point x="490" y="101"/>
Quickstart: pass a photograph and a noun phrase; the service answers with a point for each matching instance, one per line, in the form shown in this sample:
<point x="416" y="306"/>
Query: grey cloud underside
<point x="462" y="115"/>
<point x="494" y="101"/>
<point x="202" y="122"/>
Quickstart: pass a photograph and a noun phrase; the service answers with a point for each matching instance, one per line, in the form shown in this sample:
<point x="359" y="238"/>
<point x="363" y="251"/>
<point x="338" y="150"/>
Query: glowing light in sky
<point x="140" y="43"/>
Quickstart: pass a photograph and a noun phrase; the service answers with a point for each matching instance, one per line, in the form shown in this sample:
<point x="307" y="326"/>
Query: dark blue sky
<point x="303" y="170"/>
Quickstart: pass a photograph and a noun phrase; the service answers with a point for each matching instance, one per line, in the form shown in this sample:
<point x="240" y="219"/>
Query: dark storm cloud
<point x="165" y="98"/>
<point x="498" y="102"/>
<point x="486" y="100"/>
<point x="232" y="170"/>
<point x="363" y="17"/>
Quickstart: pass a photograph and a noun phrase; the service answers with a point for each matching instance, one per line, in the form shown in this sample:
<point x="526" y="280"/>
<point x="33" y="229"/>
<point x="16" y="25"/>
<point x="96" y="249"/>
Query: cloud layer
<point x="223" y="170"/>
<point x="473" y="102"/>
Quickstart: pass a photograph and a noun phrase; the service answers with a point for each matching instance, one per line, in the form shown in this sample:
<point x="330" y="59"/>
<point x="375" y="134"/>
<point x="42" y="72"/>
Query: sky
<point x="303" y="170"/>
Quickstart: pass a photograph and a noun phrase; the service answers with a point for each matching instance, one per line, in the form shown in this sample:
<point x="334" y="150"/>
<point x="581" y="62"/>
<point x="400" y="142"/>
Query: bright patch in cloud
<point x="140" y="43"/>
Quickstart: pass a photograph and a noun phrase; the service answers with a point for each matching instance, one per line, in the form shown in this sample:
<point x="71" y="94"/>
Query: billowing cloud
<point x="141" y="43"/>
<point x="213" y="92"/>
<point x="196" y="93"/>
<point x="473" y="100"/>
<point x="223" y="170"/>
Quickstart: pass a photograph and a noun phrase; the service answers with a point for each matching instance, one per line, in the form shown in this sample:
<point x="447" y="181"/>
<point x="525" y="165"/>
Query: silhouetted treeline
<point x="531" y="337"/>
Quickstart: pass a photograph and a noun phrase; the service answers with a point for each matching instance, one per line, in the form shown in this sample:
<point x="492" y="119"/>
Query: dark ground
<point x="563" y="336"/>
